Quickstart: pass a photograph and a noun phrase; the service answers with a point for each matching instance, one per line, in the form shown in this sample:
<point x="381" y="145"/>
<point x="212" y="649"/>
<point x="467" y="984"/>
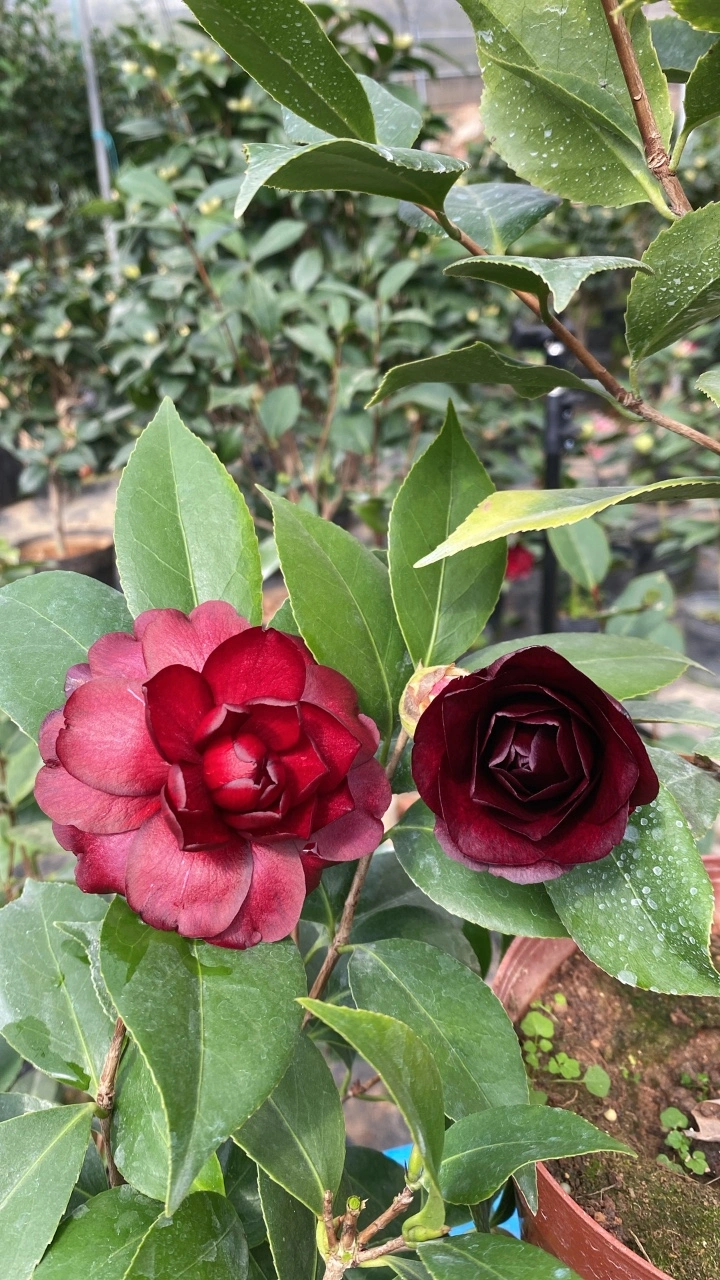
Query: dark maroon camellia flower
<point x="208" y="771"/>
<point x="530" y="767"/>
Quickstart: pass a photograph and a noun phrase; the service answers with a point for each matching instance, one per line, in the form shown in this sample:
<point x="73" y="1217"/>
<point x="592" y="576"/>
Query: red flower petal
<point x="189" y="811"/>
<point x="106" y="741"/>
<point x="329" y="690"/>
<point x="198" y="893"/>
<point x="359" y="832"/>
<point x="338" y="746"/>
<point x="47" y="737"/>
<point x="169" y="638"/>
<point x="73" y="803"/>
<point x="254" y="666"/>
<point x="177" y="700"/>
<point x="117" y="654"/>
<point x="273" y="905"/>
<point x="75" y="676"/>
<point x="101" y="860"/>
<point x="278" y="726"/>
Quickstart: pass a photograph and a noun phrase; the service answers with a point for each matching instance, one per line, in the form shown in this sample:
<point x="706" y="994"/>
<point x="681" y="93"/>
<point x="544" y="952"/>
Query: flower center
<point x="241" y="774"/>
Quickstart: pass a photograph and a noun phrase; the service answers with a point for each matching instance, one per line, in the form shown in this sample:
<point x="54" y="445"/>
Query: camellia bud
<point x="419" y="692"/>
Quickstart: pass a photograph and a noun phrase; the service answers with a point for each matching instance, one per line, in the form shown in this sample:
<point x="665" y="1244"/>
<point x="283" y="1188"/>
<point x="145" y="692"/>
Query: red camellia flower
<point x="208" y="770"/>
<point x="529" y="767"/>
<point x="520" y="563"/>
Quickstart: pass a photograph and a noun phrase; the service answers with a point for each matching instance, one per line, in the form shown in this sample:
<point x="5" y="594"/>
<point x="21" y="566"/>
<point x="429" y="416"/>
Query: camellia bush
<point x="253" y="907"/>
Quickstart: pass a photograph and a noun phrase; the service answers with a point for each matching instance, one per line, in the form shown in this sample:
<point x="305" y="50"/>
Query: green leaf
<point x="583" y="551"/>
<point x="493" y="214"/>
<point x="442" y="613"/>
<point x="480" y="363"/>
<point x="47" y="624"/>
<point x="183" y="533"/>
<point x="10" y="1064"/>
<point x="653" y="711"/>
<point x="483" y="1151"/>
<point x="407" y="1068"/>
<point x="139" y="1134"/>
<point x="710" y="383"/>
<point x="476" y="896"/>
<point x="696" y="792"/>
<point x="142" y="183"/>
<point x="281" y="44"/>
<point x="403" y="173"/>
<point x="21" y="771"/>
<point x="298" y="1134"/>
<point x="625" y="666"/>
<point x="284" y="619"/>
<point x="41" y="1155"/>
<point x="291" y="1231"/>
<point x="684" y="289"/>
<point x="210" y="1177"/>
<point x="678" y="46"/>
<point x="643" y="913"/>
<point x="17" y="1104"/>
<point x="701" y="13"/>
<point x="49" y="1010"/>
<point x="340" y="594"/>
<point x="522" y="510"/>
<point x="397" y="124"/>
<point x="597" y="1081"/>
<point x="240" y="1174"/>
<point x="374" y="1177"/>
<point x="485" y="1257"/>
<point x="121" y="1235"/>
<point x="554" y="280"/>
<point x="241" y="1003"/>
<point x="280" y="409"/>
<point x="555" y="94"/>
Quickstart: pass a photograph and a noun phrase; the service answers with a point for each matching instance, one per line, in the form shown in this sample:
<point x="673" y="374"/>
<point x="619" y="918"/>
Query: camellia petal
<point x="171" y="638"/>
<point x="177" y="701"/>
<point x="101" y="860"/>
<point x="254" y="666"/>
<point x="73" y="803"/>
<point x="274" y="901"/>
<point x="106" y="743"/>
<point x="117" y="654"/>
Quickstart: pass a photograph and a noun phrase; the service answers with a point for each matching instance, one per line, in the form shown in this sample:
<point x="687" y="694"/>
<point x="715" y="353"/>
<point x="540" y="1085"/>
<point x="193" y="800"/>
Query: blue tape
<point x="401" y="1155"/>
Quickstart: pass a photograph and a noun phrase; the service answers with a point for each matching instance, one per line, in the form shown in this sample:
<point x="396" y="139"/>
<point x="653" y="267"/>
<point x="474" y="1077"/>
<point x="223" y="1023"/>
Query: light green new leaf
<point x="493" y="214"/>
<point x="47" y="624"/>
<point x="298" y="1134"/>
<point x="583" y="551"/>
<point x="485" y="1257"/>
<point x="281" y="44"/>
<point x="696" y="792"/>
<point x="407" y="1068"/>
<point x="481" y="363"/>
<point x="704" y="14"/>
<point x="49" y="1009"/>
<point x="403" y="173"/>
<point x="41" y="1154"/>
<point x="475" y="896"/>
<point x="442" y="613"/>
<point x="340" y="594"/>
<point x="678" y="46"/>
<point x="183" y="532"/>
<point x="554" y="280"/>
<point x="121" y="1235"/>
<point x="643" y="913"/>
<point x="522" y="510"/>
<point x="242" y="1006"/>
<point x="702" y="96"/>
<point x="484" y="1150"/>
<point x="291" y="1229"/>
<point x="625" y="666"/>
<point x="710" y="383"/>
<point x="684" y="289"/>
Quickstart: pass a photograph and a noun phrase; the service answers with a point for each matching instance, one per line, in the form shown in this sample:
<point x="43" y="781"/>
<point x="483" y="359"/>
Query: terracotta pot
<point x="88" y="553"/>
<point x="560" y="1226"/>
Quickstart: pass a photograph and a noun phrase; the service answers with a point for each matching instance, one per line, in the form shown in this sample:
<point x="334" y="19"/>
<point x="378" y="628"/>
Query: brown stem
<point x="398" y="1206"/>
<point x="392" y="764"/>
<point x="106" y="1097"/>
<point x="581" y="353"/>
<point x="328" y="1220"/>
<point x="360" y="1087"/>
<point x="56" y="500"/>
<point x="381" y="1250"/>
<point x="657" y="157"/>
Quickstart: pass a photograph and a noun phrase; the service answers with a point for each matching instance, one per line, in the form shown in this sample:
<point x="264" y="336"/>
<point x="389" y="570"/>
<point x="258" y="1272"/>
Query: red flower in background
<point x="208" y="770"/>
<point x="530" y="767"/>
<point x="520" y="563"/>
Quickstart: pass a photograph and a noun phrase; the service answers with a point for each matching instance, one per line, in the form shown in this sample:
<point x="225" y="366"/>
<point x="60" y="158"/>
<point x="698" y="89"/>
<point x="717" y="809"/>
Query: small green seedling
<point x="699" y="1083"/>
<point x="540" y="1030"/>
<point x="675" y="1123"/>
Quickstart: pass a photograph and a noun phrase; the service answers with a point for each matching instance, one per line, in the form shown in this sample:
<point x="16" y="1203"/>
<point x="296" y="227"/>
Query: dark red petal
<point x="617" y="775"/>
<point x="47" y="737"/>
<point x="117" y="654"/>
<point x="313" y="868"/>
<point x="428" y="753"/>
<point x="335" y="743"/>
<point x="73" y="803"/>
<point x="295" y="824"/>
<point x="274" y="902"/>
<point x="360" y="831"/>
<point x="169" y="638"/>
<point x="106" y="742"/>
<point x="329" y="808"/>
<point x="305" y="770"/>
<point x="101" y="860"/>
<point x="254" y="666"/>
<point x="278" y="726"/>
<point x="535" y="874"/>
<point x="189" y="811"/>
<point x="177" y="701"/>
<point x="198" y="893"/>
<point x="75" y="676"/>
<point x="327" y="688"/>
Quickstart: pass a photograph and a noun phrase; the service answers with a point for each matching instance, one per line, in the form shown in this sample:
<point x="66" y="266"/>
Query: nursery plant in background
<point x="226" y="783"/>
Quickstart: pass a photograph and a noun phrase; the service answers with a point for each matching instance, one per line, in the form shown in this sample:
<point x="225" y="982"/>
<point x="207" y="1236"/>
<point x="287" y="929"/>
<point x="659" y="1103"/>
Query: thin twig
<point x="658" y="160"/>
<point x="106" y="1098"/>
<point x="360" y="1087"/>
<point x="398" y="1206"/>
<point x="328" y="1220"/>
<point x="381" y="1250"/>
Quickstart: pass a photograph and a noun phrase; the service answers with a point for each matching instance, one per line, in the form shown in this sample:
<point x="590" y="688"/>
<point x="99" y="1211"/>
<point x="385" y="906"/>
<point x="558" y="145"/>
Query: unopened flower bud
<point x="419" y="692"/>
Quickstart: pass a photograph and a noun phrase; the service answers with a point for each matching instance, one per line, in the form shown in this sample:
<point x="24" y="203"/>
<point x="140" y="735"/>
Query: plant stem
<point x="56" y="500"/>
<point x="657" y="157"/>
<point x="106" y="1097"/>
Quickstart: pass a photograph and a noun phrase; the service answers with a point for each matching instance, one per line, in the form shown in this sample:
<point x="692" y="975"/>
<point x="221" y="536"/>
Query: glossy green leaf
<point x="121" y="1235"/>
<point x="279" y="409"/>
<point x="493" y="214"/>
<point x="10" y="1064"/>
<point x="407" y="1068"/>
<point x="553" y="280"/>
<point x="684" y="289"/>
<point x="21" y="770"/>
<point x="583" y="551"/>
<point x="696" y="792"/>
<point x="701" y="13"/>
<point x="183" y="532"/>
<point x="625" y="666"/>
<point x="472" y="895"/>
<point x="298" y="1134"/>
<point x="678" y="46"/>
<point x="483" y="1151"/>
<point x="481" y="363"/>
<point x="49" y="1010"/>
<point x="485" y="1257"/>
<point x="242" y="1004"/>
<point x="397" y="124"/>
<point x="654" y="711"/>
<point x="643" y="913"/>
<point x="281" y="44"/>
<point x="408" y="1268"/>
<point x="47" y="624"/>
<point x="710" y="383"/>
<point x="284" y="619"/>
<point x="240" y="1174"/>
<point x="555" y="95"/>
<point x="210" y="1177"/>
<point x="702" y="95"/>
<point x="17" y="1104"/>
<point x="442" y="613"/>
<point x="522" y="510"/>
<point x="403" y="173"/>
<point x="41" y="1154"/>
<point x="290" y="1230"/>
<point x="340" y="594"/>
<point x="140" y="1138"/>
